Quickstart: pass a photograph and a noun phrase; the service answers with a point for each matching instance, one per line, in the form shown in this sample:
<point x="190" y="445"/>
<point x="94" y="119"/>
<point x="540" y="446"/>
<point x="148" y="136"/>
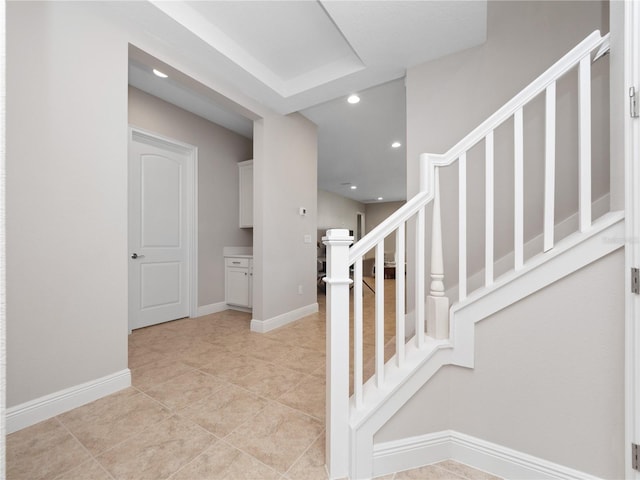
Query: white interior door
<point x="159" y="229"/>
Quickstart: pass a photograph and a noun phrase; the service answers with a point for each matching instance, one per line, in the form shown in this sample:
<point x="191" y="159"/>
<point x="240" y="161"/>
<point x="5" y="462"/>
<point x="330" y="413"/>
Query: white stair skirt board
<point x="211" y="308"/>
<point x="415" y="452"/>
<point x="264" y="326"/>
<point x="43" y="408"/>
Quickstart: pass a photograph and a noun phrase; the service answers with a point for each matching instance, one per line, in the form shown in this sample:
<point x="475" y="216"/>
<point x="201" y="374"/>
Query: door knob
<point x="135" y="255"/>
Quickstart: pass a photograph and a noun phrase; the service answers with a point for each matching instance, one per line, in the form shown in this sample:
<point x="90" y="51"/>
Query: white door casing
<point x="360" y="226"/>
<point x="162" y="236"/>
<point x="632" y="254"/>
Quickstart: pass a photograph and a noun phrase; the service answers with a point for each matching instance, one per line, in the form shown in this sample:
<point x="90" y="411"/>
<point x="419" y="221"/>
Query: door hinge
<point x="635" y="280"/>
<point x="635" y="456"/>
<point x="633" y="102"/>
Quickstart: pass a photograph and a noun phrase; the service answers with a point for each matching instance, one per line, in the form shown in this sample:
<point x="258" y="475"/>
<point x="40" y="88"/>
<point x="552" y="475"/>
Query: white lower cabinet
<point x="238" y="281"/>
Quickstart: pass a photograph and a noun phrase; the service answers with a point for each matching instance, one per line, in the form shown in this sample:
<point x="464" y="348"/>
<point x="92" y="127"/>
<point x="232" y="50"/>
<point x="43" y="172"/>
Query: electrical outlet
<point x="307" y="239"/>
<point x="299" y="289"/>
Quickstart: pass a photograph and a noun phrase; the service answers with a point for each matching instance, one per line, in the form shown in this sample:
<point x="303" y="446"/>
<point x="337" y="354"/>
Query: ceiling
<point x="308" y="56"/>
<point x="354" y="144"/>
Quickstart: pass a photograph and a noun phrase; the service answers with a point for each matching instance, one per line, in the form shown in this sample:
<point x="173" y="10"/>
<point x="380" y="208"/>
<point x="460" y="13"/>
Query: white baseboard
<point x="43" y="408"/>
<point x="263" y="326"/>
<point x="415" y="452"/>
<point x="412" y="452"/>
<point x="238" y="308"/>
<point x="211" y="308"/>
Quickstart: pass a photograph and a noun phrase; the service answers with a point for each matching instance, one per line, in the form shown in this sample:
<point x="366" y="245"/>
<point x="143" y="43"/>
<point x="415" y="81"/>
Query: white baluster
<point x="437" y="302"/>
<point x="584" y="136"/>
<point x="337" y="393"/>
<point x="462" y="226"/>
<point x="549" y="166"/>
<point x="400" y="342"/>
<point x="424" y="172"/>
<point x="518" y="190"/>
<point x="420" y="279"/>
<point x="489" y="212"/>
<point x="357" y="332"/>
<point x="379" y="318"/>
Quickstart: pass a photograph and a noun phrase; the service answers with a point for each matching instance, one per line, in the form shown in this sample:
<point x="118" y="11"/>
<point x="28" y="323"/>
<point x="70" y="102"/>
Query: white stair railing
<point x="341" y="257"/>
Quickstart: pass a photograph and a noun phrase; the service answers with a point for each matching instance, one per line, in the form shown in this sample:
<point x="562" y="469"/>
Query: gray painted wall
<point x="449" y="97"/>
<point x="67" y="193"/>
<point x="548" y="377"/>
<point x="285" y="179"/>
<point x="619" y="101"/>
<point x="336" y="211"/>
<point x="376" y="214"/>
<point x="219" y="151"/>
<point x="66" y="199"/>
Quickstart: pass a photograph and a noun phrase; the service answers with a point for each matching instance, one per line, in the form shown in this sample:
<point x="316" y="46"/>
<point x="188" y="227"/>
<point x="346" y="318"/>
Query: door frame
<point x="360" y="219"/>
<point x="191" y="151"/>
<point x="632" y="221"/>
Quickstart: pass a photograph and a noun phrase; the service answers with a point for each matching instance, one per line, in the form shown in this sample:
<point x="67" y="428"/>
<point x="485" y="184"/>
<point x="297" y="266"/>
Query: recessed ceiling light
<point x="160" y="74"/>
<point x="396" y="145"/>
<point x="353" y="187"/>
<point x="353" y="99"/>
<point x="380" y="198"/>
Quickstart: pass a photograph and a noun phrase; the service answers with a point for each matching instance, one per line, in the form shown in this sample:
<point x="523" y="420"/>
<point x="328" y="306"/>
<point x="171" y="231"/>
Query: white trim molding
<point x="238" y="308"/>
<point x="631" y="54"/>
<point x="415" y="452"/>
<point x="211" y="308"/>
<point x="264" y="326"/>
<point x="48" y="406"/>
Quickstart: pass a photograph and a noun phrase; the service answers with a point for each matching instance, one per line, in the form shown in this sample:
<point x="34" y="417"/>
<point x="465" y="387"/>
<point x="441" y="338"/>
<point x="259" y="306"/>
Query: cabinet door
<point x="246" y="194"/>
<point x="237" y="286"/>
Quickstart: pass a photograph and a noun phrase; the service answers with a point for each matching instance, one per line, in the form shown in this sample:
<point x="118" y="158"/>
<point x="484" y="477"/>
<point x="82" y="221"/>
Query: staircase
<point x="439" y="333"/>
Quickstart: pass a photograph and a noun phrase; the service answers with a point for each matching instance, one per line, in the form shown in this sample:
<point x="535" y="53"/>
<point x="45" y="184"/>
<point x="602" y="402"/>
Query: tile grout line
<point x="139" y="432"/>
<point x="275" y="400"/>
<point x="306" y="450"/>
<point x="175" y="410"/>
<point x="93" y="457"/>
<point x="237" y="426"/>
<point x="250" y="455"/>
<point x="217" y="439"/>
<point x="226" y="437"/>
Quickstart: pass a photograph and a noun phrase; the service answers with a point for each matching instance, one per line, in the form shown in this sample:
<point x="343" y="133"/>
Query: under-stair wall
<point x="547" y="381"/>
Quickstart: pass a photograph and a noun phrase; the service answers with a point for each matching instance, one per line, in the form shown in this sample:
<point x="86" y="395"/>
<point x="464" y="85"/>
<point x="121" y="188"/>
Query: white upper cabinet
<point x="246" y="193"/>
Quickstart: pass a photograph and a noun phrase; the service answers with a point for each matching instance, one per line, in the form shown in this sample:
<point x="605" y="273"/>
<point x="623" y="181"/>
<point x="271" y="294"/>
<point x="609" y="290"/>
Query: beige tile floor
<point x="209" y="400"/>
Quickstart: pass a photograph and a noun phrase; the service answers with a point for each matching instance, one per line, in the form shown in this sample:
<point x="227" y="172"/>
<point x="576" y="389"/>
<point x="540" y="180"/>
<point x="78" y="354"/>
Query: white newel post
<point x="437" y="302"/>
<point x="337" y="421"/>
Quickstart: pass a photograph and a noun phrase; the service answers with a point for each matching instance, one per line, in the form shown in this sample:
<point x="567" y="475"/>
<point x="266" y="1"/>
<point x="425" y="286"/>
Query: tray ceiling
<point x="307" y="56"/>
